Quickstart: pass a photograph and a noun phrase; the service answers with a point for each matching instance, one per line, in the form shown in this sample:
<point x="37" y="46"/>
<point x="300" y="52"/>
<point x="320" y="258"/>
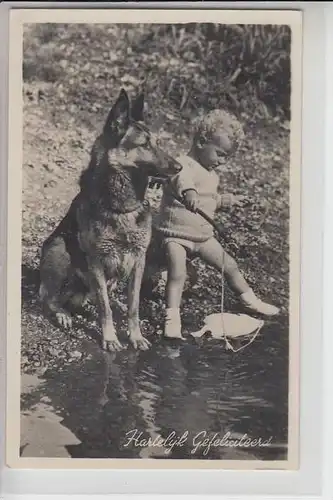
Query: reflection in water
<point x="172" y="390"/>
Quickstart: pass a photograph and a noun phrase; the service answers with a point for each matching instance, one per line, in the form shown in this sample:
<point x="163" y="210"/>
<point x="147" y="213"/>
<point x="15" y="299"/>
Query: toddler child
<point x="185" y="231"/>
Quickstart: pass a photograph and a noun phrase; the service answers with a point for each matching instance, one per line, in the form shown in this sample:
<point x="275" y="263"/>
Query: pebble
<point x="53" y="352"/>
<point x="76" y="354"/>
<point x="47" y="167"/>
<point x="45" y="399"/>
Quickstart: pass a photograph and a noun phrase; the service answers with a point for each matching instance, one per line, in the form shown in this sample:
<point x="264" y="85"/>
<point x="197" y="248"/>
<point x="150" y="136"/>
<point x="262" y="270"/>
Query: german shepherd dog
<point x="106" y="232"/>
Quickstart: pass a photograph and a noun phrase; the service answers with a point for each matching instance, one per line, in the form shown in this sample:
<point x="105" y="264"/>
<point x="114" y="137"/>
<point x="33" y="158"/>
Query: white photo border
<point x="14" y="244"/>
<point x="308" y="480"/>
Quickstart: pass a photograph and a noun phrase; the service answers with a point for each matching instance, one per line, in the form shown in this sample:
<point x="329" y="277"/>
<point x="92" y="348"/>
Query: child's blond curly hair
<point x="221" y="120"/>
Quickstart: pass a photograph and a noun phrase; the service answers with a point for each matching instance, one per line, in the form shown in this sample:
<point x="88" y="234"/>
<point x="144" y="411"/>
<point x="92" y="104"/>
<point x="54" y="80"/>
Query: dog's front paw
<point x="112" y="344"/>
<point x="139" y="342"/>
<point x="64" y="319"/>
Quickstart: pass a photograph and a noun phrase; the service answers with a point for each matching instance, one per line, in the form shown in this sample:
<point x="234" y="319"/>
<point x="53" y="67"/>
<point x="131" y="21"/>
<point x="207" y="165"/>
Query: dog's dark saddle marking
<point x="67" y="231"/>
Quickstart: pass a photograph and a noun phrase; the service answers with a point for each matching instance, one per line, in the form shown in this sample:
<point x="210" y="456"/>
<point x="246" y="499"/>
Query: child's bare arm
<point x="183" y="181"/>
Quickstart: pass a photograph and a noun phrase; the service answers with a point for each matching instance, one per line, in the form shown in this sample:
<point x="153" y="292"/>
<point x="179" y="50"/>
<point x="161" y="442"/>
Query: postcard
<point x="154" y="239"/>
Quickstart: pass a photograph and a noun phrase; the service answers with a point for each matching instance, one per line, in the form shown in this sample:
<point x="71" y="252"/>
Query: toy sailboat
<point x="230" y="326"/>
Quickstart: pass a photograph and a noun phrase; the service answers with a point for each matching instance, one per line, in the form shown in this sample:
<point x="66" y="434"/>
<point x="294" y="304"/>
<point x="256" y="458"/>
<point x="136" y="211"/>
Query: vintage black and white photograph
<point x="157" y="255"/>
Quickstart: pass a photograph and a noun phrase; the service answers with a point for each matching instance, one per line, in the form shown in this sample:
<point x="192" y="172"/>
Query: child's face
<point x="215" y="148"/>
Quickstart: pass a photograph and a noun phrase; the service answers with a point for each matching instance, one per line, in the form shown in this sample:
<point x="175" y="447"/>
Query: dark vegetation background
<point x="72" y="75"/>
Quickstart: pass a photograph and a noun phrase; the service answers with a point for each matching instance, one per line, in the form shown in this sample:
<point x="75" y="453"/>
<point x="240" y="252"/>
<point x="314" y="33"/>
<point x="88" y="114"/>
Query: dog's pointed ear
<point x="138" y="107"/>
<point x="117" y="122"/>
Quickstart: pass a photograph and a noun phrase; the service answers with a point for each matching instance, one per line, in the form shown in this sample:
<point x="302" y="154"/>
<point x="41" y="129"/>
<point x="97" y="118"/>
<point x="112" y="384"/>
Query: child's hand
<point x="190" y="200"/>
<point x="229" y="200"/>
<point x="239" y="200"/>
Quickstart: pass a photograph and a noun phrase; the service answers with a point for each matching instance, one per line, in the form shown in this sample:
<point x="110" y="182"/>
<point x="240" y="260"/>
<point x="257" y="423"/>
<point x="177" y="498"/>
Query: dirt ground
<point x="61" y="120"/>
<point x="56" y="153"/>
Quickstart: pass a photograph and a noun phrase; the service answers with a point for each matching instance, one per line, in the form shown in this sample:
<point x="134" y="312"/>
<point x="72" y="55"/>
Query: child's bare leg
<point x="176" y="262"/>
<point x="213" y="254"/>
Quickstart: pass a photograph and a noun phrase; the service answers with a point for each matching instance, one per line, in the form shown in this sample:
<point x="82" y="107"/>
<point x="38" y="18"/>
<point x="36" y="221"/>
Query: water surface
<point x="197" y="388"/>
